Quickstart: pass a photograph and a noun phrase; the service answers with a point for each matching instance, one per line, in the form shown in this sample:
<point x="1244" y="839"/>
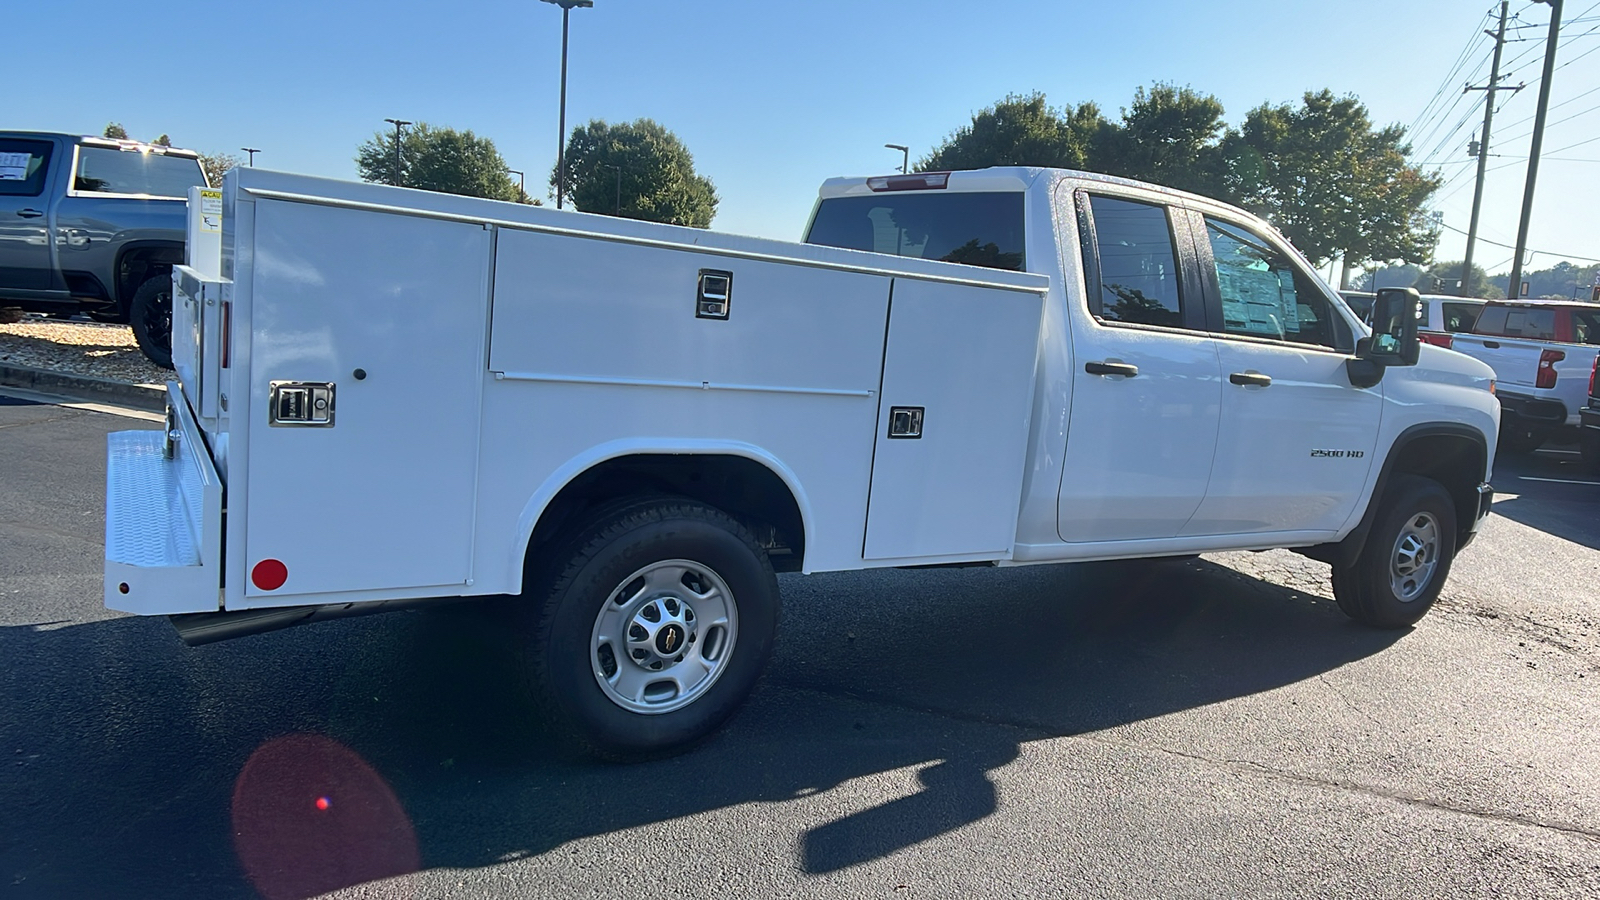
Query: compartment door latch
<point x="304" y="403"/>
<point x="714" y="294"/>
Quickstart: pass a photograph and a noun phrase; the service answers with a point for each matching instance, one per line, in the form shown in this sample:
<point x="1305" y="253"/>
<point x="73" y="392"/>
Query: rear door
<point x="1145" y="380"/>
<point x="26" y="262"/>
<point x="1296" y="439"/>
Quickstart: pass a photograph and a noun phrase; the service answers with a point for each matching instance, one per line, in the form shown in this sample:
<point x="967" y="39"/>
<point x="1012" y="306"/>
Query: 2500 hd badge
<point x="1338" y="454"/>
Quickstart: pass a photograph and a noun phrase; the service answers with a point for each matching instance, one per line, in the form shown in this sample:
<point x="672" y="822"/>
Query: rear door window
<point x="111" y="171"/>
<point x="977" y="229"/>
<point x="23" y="167"/>
<point x="1132" y="255"/>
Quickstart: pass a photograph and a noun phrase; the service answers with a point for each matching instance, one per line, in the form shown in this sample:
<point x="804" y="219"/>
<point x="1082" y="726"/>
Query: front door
<point x="1145" y="382"/>
<point x="1296" y="439"/>
<point x="25" y="260"/>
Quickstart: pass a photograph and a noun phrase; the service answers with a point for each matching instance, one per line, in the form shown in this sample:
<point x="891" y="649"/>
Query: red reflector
<point x="1438" y="339"/>
<point x="1547" y="368"/>
<point x="1592" y="373"/>
<point x="269" y="574"/>
<point x="918" y="182"/>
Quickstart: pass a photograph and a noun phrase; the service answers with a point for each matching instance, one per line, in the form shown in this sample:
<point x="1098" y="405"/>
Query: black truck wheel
<point x="653" y="627"/>
<point x="1589" y="450"/>
<point x="150" y="314"/>
<point x="1406" y="559"/>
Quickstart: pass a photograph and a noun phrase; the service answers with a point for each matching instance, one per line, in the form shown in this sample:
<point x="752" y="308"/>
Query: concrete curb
<point x="140" y="396"/>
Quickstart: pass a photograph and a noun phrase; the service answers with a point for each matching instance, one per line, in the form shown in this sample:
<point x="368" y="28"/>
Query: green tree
<point x="637" y="170"/>
<point x="439" y="159"/>
<point x="115" y="131"/>
<point x="162" y="141"/>
<point x="1169" y="136"/>
<point x="1332" y="184"/>
<point x="217" y="165"/>
<point x="1404" y="275"/>
<point x="1021" y="130"/>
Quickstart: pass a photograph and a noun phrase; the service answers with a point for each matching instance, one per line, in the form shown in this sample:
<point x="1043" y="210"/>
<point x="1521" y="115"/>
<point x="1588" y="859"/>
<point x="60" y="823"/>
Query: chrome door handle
<point x="1250" y="379"/>
<point x="30" y="213"/>
<point x="1127" y="370"/>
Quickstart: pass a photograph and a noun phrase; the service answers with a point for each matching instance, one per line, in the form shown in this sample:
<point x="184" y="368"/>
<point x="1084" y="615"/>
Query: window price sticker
<point x="14" y="166"/>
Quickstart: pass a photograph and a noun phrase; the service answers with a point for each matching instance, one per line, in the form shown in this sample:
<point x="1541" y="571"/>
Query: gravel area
<point x="78" y="348"/>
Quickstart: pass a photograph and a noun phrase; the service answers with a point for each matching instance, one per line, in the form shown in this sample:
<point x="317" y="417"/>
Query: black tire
<point x="1520" y="438"/>
<point x="586" y="586"/>
<point x="150" y="314"/>
<point x="1367" y="591"/>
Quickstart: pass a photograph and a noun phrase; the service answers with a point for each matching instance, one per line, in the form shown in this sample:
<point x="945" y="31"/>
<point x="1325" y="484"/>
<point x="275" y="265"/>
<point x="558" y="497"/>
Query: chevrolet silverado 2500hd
<point x="395" y="396"/>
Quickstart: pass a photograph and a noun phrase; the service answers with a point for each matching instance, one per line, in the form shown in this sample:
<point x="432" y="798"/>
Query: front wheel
<point x="654" y="631"/>
<point x="150" y="314"/>
<point x="1406" y="559"/>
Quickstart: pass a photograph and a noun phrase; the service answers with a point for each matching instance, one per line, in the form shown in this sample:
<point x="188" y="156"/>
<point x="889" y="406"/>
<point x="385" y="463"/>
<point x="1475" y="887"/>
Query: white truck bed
<point x="479" y="355"/>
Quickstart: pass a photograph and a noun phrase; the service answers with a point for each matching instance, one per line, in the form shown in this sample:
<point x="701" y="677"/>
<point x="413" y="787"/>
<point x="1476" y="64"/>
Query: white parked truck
<point x="390" y="397"/>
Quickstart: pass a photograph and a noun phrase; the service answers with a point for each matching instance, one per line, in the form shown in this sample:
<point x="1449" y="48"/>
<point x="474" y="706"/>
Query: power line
<point x="1530" y="251"/>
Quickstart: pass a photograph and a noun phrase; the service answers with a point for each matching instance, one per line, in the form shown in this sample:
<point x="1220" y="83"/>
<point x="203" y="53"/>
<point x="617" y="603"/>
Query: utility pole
<point x="522" y="185"/>
<point x="1483" y="145"/>
<point x="619" y="188"/>
<point x="252" y="151"/>
<point x="1514" y="288"/>
<point x="398" y="124"/>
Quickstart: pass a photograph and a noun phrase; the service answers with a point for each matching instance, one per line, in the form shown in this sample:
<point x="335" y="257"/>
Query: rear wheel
<point x="1406" y="559"/>
<point x="150" y="314"/>
<point x="654" y="630"/>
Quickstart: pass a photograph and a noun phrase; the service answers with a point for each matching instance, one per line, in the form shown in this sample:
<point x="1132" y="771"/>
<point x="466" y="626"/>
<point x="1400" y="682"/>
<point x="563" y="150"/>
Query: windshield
<point x="110" y="171"/>
<point x="978" y="229"/>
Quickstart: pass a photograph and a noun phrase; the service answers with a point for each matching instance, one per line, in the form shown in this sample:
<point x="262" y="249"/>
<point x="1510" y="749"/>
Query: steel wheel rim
<point x="664" y="636"/>
<point x="1415" y="557"/>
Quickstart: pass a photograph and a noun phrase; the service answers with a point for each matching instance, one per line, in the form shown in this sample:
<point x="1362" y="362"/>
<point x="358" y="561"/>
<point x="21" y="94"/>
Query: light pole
<point x="619" y="188"/>
<point x="561" y="142"/>
<point x="398" y="124"/>
<point x="905" y="156"/>
<point x="522" y="185"/>
<point x="252" y="151"/>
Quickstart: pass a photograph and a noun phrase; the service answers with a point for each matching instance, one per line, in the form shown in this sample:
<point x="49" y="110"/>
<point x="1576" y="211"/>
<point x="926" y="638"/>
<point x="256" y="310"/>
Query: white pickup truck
<point x="1542" y="353"/>
<point x="389" y="397"/>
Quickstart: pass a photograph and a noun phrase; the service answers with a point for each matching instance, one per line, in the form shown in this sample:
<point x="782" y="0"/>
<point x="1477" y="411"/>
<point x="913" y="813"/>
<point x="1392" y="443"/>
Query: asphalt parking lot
<point x="1208" y="727"/>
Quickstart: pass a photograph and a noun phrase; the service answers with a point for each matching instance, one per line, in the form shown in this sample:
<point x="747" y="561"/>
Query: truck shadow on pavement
<point x="1550" y="490"/>
<point x="128" y="757"/>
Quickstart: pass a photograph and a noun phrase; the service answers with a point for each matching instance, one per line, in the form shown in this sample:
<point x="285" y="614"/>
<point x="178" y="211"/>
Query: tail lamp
<point x="1547" y="368"/>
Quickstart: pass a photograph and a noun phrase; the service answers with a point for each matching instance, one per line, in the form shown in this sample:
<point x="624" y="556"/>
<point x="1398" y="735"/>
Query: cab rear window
<point x="978" y="229"/>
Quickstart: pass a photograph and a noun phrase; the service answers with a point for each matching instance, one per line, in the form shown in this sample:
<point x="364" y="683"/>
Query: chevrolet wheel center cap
<point x="669" y="640"/>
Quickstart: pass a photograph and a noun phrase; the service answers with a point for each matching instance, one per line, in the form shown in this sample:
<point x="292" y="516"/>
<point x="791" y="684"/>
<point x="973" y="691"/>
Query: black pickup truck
<point x="94" y="225"/>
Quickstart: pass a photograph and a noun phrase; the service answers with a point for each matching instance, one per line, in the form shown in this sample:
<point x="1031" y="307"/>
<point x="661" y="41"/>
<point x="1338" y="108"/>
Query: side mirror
<point x="1394" y="327"/>
<point x="1394" y="339"/>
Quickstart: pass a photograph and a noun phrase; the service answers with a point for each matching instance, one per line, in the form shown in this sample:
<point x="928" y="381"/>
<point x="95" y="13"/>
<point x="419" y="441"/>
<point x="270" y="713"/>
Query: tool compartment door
<point x="962" y="359"/>
<point x="382" y="496"/>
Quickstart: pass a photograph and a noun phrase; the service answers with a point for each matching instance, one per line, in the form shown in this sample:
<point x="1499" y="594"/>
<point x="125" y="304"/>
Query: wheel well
<point x="1455" y="461"/>
<point x="139" y="262"/>
<point x="743" y="488"/>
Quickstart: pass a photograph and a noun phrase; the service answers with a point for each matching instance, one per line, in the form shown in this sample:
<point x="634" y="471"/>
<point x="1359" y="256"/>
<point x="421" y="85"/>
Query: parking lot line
<point x="1559" y="480"/>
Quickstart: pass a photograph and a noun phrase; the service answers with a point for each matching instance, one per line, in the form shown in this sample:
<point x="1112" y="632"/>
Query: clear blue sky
<point x="774" y="97"/>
